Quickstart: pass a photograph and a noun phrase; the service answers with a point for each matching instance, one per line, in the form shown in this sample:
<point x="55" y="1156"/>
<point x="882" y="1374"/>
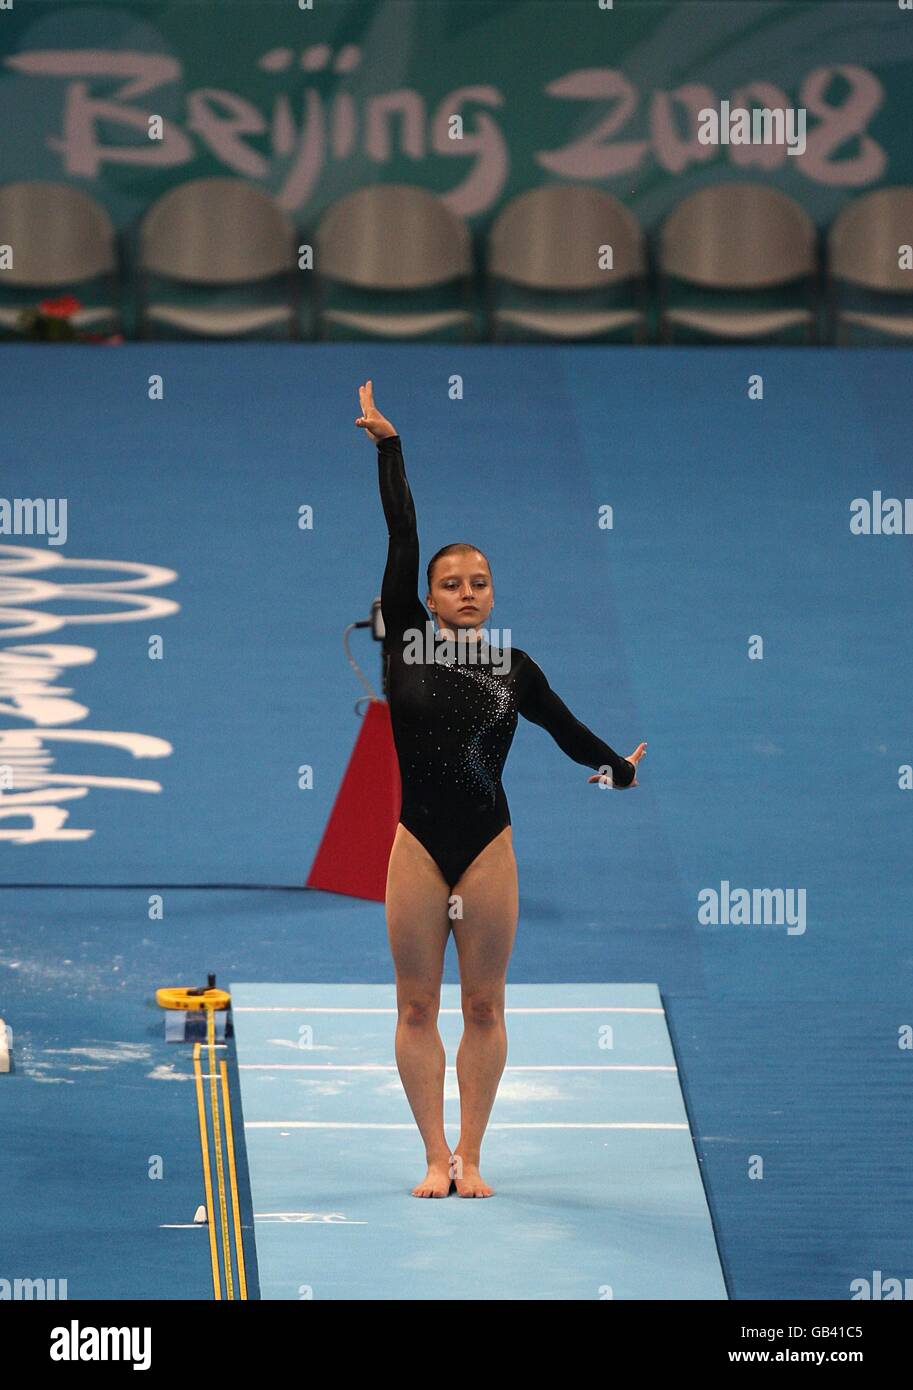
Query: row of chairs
<point x="560" y="263"/>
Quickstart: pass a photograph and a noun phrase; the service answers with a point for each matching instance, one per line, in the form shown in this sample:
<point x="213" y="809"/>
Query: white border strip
<point x="391" y="1066"/>
<point x="543" y="1124"/>
<point x="334" y="1009"/>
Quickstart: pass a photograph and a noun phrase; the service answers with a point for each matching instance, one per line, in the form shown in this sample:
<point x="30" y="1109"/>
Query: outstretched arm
<point x="399" y="601"/>
<point x="542" y="706"/>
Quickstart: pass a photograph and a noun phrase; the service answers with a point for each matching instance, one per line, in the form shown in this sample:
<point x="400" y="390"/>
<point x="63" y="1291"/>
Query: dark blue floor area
<point x="818" y="1092"/>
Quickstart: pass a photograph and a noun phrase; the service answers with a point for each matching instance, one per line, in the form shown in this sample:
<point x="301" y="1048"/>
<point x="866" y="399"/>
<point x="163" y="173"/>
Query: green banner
<point x="472" y="99"/>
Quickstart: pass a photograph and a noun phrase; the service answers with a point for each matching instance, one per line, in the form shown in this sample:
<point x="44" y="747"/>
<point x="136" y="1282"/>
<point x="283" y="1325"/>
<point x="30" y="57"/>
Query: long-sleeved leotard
<point x="454" y="718"/>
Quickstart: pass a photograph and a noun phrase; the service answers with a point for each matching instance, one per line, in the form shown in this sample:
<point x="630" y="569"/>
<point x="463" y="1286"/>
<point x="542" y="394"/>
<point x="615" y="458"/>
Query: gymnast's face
<point x="461" y="593"/>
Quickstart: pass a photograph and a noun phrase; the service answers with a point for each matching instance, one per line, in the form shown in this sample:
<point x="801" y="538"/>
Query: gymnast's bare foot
<point x="436" y="1182"/>
<point x="468" y="1179"/>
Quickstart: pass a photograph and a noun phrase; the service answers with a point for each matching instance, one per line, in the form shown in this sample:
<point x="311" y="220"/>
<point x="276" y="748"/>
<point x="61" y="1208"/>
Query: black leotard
<point x="453" y="720"/>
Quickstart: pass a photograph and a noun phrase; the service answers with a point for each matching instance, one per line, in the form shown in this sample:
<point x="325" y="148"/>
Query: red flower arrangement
<point x="51" y="323"/>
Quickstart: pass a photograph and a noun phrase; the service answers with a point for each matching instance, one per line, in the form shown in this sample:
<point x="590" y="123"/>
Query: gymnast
<point x="452" y="862"/>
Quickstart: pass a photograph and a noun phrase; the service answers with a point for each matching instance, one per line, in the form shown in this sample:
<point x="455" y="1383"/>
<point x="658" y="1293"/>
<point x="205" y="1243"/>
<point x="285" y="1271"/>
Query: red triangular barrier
<point x="353" y="854"/>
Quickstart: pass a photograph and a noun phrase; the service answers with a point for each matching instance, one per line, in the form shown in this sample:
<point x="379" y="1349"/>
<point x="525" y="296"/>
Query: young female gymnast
<point x="453" y="720"/>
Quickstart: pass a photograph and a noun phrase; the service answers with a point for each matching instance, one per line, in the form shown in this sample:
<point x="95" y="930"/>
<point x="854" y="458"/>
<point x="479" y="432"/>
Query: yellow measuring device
<point x="213" y="1000"/>
<point x="180" y="997"/>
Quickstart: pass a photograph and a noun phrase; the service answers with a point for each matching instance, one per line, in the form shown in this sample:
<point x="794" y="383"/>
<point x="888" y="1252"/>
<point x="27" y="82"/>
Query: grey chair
<point x="60" y="238"/>
<point x="393" y="237"/>
<point x="212" y="234"/>
<point x="862" y="249"/>
<point x="737" y="237"/>
<point x="549" y="239"/>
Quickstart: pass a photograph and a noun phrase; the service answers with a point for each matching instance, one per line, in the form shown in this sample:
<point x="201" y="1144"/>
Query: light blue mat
<point x="598" y="1193"/>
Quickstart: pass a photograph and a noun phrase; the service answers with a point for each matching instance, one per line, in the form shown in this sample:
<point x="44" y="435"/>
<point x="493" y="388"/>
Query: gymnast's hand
<point x="370" y="418"/>
<point x="608" y="782"/>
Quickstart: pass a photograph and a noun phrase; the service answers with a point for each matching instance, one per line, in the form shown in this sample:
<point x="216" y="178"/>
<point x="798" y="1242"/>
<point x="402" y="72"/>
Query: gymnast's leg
<point x="484" y="939"/>
<point x="417" y="928"/>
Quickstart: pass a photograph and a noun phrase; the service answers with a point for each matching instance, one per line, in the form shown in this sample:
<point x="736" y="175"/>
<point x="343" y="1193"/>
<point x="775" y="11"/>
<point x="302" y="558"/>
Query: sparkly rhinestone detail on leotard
<point x="484" y="754"/>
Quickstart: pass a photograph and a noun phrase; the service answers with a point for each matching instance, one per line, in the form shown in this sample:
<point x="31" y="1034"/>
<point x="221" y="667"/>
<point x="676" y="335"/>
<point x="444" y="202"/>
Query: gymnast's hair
<point x="455" y="548"/>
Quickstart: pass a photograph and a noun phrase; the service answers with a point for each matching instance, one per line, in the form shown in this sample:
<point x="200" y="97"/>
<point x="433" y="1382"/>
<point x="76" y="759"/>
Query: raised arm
<point x="399" y="601"/>
<point x="541" y="705"/>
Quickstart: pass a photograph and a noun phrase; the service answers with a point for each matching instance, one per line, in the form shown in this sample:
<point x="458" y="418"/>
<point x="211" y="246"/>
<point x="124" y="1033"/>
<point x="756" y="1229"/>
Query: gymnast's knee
<point x="483" y="1008"/>
<point x="418" y="1010"/>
